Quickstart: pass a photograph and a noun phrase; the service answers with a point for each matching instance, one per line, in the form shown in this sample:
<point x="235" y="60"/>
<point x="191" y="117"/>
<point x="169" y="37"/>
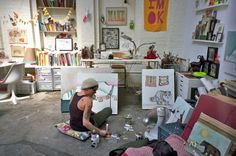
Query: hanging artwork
<point x="155" y="15"/>
<point x="17" y="51"/>
<point x="110" y="36"/>
<point x="157" y="88"/>
<point x="116" y="16"/>
<point x="17" y="36"/>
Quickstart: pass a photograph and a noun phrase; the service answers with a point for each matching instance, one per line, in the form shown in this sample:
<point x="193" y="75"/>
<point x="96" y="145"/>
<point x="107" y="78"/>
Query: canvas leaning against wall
<point x="211" y="137"/>
<point x="157" y="88"/>
<point x="106" y="95"/>
<point x="230" y="47"/>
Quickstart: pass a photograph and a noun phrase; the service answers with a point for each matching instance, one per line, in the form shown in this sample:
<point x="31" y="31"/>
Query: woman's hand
<point x="103" y="133"/>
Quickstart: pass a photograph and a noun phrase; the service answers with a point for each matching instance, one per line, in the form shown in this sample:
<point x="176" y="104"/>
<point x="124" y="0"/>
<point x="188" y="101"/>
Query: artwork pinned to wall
<point x="17" y="51"/>
<point x="230" y="48"/>
<point x="17" y="36"/>
<point x="157" y="88"/>
<point x="116" y="16"/>
<point x="110" y="36"/>
<point x="153" y="21"/>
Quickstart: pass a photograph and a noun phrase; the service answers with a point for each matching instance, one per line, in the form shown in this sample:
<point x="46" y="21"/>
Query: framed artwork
<point x="110" y="36"/>
<point x="63" y="44"/>
<point x="157" y="88"/>
<point x="205" y="136"/>
<point x="214" y="70"/>
<point x="102" y="47"/>
<point x="17" y="36"/>
<point x="212" y="54"/>
<point x="17" y="51"/>
<point x="205" y="67"/>
<point x="116" y="16"/>
<point x="230" y="47"/>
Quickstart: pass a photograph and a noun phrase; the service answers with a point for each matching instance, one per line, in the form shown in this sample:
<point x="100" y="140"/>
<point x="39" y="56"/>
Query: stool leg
<point x="125" y="77"/>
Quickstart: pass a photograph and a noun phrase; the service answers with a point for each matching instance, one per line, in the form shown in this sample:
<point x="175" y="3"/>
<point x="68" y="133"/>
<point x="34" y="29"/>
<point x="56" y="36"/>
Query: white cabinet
<point x="186" y="85"/>
<point x="56" y="78"/>
<point x="44" y="78"/>
<point x="48" y="78"/>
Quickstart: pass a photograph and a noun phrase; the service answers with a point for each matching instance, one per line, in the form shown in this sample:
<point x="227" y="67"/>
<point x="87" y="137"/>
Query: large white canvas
<point x="69" y="76"/>
<point x="107" y="93"/>
<point x="157" y="88"/>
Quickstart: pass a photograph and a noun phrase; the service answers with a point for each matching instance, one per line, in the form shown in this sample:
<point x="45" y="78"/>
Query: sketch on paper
<point x="17" y="36"/>
<point x="150" y="81"/>
<point x="162" y="97"/>
<point x="157" y="88"/>
<point x="163" y="80"/>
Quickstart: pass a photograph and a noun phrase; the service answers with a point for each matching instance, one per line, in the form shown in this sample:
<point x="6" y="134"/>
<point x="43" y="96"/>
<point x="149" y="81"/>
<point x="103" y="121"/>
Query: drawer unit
<point x="57" y="86"/>
<point x="186" y="85"/>
<point x="43" y="86"/>
<point x="56" y="71"/>
<point x="56" y="78"/>
<point x="44" y="71"/>
<point x="48" y="78"/>
<point x="44" y="79"/>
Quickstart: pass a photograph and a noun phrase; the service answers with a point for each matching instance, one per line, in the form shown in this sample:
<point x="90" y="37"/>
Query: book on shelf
<point x="58" y="59"/>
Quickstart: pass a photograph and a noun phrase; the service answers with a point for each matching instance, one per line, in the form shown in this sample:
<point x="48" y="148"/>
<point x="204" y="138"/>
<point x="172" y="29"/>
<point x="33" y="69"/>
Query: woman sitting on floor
<point x="81" y="116"/>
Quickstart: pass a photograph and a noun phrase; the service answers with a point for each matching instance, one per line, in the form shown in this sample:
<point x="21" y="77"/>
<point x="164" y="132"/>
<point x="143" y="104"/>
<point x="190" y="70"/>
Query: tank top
<point x="76" y="115"/>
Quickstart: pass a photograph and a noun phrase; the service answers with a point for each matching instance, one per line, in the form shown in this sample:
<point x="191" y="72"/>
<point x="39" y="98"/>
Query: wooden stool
<point x="122" y="67"/>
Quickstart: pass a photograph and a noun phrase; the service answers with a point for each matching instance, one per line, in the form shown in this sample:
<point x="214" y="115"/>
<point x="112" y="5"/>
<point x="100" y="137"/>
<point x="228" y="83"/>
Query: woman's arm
<point x="87" y="102"/>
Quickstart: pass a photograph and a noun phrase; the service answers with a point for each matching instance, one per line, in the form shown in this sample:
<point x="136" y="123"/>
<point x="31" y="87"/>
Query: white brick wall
<point x="21" y="7"/>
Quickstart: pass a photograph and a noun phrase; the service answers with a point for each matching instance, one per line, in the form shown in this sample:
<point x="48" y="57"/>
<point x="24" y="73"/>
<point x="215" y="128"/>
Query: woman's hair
<point x="162" y="148"/>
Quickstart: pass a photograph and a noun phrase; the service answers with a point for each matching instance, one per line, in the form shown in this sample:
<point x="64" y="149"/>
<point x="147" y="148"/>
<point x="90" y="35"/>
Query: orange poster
<point x="155" y="15"/>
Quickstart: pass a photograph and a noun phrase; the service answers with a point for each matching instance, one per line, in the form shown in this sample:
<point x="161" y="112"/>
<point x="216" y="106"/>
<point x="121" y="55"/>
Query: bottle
<point x="94" y="139"/>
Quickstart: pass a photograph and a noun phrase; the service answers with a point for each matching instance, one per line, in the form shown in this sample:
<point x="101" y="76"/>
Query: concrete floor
<point x="28" y="127"/>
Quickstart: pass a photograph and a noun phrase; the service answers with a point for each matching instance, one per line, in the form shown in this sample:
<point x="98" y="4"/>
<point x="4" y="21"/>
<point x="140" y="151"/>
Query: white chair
<point x="14" y="75"/>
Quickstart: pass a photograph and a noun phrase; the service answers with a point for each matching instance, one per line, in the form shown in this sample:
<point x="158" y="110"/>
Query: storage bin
<point x="26" y="87"/>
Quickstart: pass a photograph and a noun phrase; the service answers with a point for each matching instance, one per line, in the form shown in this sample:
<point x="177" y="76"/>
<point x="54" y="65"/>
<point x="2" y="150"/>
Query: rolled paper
<point x="202" y="90"/>
<point x="208" y="85"/>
